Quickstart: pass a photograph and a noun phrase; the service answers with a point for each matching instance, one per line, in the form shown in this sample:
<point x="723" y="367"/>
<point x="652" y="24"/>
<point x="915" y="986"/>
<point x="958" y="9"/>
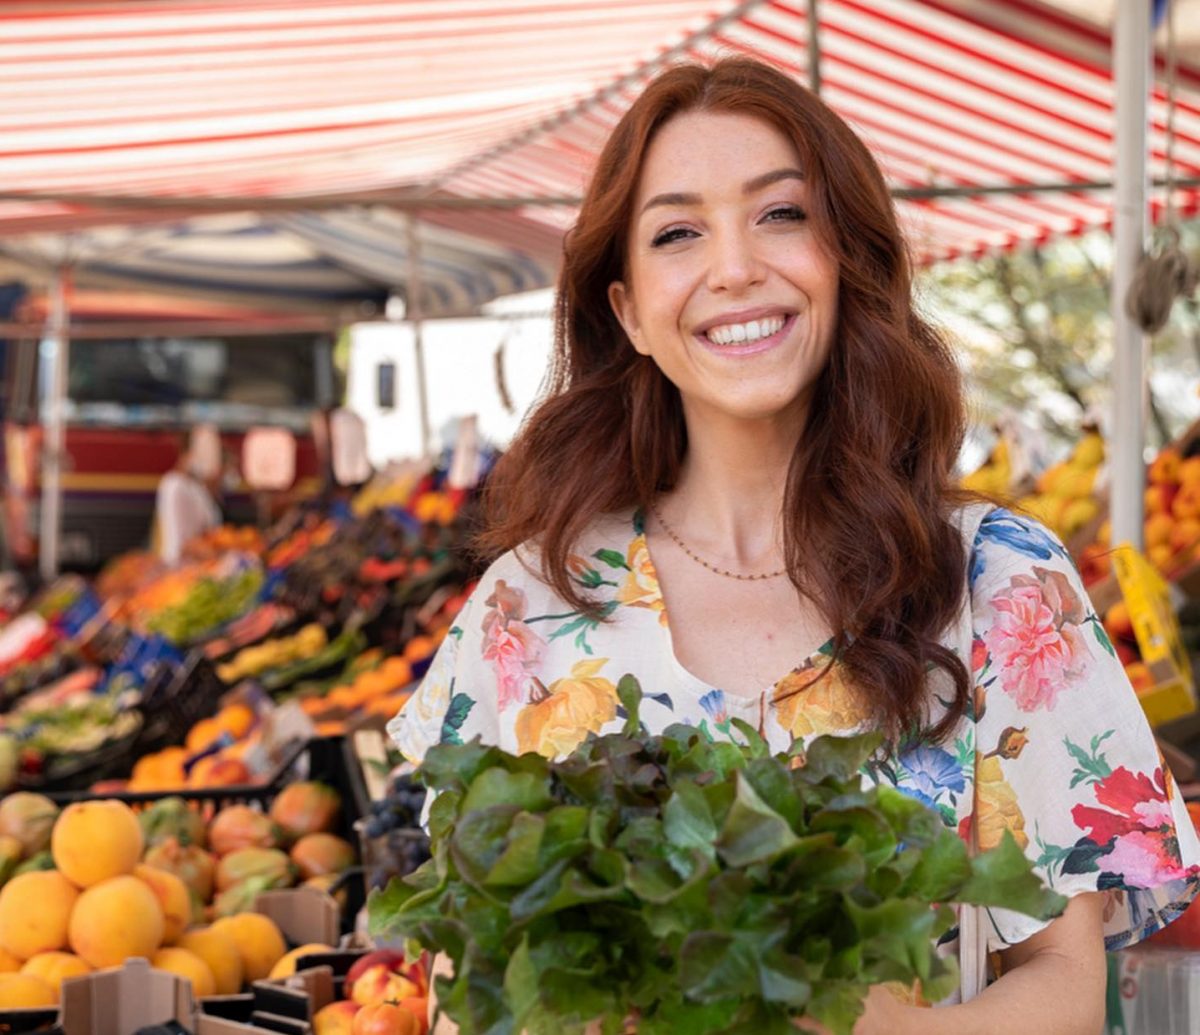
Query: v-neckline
<point x="702" y="686"/>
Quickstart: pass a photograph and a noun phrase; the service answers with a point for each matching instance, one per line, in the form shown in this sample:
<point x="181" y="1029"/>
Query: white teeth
<point x="751" y="331"/>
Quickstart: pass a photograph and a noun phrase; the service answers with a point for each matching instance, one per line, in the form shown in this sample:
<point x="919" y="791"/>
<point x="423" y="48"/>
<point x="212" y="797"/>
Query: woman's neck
<point x="728" y="500"/>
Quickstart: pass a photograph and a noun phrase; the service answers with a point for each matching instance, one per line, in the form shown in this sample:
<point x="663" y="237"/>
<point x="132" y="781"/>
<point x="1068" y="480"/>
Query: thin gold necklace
<point x="701" y="561"/>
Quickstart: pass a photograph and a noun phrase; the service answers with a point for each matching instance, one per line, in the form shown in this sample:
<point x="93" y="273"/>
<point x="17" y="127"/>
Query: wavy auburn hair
<point x="867" y="521"/>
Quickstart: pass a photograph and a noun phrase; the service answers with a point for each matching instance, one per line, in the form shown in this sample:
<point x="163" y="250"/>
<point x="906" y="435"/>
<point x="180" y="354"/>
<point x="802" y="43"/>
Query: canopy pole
<point x="415" y="315"/>
<point x="1131" y="83"/>
<point x="54" y="446"/>
<point x="814" y="48"/>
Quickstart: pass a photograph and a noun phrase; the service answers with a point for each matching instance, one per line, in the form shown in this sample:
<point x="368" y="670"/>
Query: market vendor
<point x="741" y="490"/>
<point x="185" y="504"/>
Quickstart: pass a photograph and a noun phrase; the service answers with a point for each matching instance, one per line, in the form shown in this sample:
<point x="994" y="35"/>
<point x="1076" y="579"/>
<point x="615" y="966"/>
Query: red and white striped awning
<point x="158" y="110"/>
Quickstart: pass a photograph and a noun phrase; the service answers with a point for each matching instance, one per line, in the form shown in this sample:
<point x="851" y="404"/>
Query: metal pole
<point x="814" y="48"/>
<point x="54" y="446"/>
<point x="1131" y="82"/>
<point x="414" y="314"/>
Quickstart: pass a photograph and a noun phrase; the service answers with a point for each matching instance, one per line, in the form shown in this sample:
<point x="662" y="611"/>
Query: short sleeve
<point x="1065" y="758"/>
<point x="451" y="704"/>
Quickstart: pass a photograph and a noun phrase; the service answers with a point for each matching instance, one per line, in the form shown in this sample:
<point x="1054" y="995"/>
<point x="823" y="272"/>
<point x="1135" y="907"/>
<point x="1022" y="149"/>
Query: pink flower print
<point x="512" y="648"/>
<point x="1037" y="652"/>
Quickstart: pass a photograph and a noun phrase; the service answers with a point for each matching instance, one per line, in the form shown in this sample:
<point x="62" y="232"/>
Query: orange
<point x="235" y="719"/>
<point x="202" y="735"/>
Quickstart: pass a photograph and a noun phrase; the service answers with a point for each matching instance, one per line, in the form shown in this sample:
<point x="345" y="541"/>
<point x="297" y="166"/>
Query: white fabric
<point x="183" y="510"/>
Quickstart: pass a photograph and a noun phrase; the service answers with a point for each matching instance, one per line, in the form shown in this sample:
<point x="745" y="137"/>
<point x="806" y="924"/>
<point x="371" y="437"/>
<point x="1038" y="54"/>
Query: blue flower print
<point x="713" y="703"/>
<point x="1020" y="534"/>
<point x="931" y="771"/>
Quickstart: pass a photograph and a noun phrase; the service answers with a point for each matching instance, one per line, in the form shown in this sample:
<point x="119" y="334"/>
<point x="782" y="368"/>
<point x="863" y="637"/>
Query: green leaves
<point x="715" y="887"/>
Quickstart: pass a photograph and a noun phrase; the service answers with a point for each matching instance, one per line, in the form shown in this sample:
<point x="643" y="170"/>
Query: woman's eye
<point x="675" y="233"/>
<point x="786" y="213"/>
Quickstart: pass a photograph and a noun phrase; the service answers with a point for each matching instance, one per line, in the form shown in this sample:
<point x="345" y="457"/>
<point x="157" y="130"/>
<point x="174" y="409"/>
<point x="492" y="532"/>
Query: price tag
<point x="1156" y="629"/>
<point x="464" y="464"/>
<point x="269" y="458"/>
<point x="348" y="446"/>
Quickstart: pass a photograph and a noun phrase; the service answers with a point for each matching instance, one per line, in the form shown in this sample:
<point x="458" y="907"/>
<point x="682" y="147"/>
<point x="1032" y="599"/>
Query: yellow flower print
<point x="558" y="718"/>
<point x="641" y="584"/>
<point x="996" y="806"/>
<point x="807" y="706"/>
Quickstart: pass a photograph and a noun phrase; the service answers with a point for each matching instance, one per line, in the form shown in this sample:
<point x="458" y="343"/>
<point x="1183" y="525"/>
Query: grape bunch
<point x="397" y="844"/>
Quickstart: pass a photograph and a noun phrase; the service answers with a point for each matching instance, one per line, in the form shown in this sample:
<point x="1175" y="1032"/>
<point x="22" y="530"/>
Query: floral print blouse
<point x="1055" y="747"/>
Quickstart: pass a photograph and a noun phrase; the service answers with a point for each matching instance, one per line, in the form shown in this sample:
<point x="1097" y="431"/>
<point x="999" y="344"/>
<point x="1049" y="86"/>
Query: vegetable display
<point x="705" y="886"/>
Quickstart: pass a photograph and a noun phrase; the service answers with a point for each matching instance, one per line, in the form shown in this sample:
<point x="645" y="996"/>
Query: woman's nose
<point x="734" y="263"/>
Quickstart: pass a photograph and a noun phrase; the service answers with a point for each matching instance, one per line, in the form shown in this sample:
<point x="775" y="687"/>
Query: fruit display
<point x="165" y="884"/>
<point x="1172" y="498"/>
<point x="383" y="994"/>
<point x="224" y="539"/>
<point x="210" y="603"/>
<point x="1064" y="497"/>
<point x="275" y="653"/>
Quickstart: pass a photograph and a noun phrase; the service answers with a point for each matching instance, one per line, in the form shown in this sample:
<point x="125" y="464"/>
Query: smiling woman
<point x="739" y="489"/>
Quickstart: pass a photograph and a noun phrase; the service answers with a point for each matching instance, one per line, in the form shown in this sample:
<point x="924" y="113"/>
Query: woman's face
<point x="727" y="287"/>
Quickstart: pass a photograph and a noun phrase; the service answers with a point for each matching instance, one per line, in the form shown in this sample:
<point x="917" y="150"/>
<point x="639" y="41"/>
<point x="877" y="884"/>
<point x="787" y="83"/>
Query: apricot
<point x="115" y="919"/>
<point x="259" y="942"/>
<point x="96" y="840"/>
<point x="9" y="964"/>
<point x="336" y="1018"/>
<point x="286" y="967"/>
<point x="220" y="952"/>
<point x="187" y="965"/>
<point x="35" y="912"/>
<point x="23" y="991"/>
<point x="173" y="896"/>
<point x="54" y="968"/>
<point x="385" y="1019"/>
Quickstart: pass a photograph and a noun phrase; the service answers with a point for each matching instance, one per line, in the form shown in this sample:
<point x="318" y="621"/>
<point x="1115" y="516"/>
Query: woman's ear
<point x="625" y="310"/>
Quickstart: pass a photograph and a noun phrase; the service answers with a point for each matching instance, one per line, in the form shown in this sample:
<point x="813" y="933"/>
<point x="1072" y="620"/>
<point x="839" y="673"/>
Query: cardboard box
<point x="122" y="1000"/>
<point x="287" y="1005"/>
<point x="305" y="915"/>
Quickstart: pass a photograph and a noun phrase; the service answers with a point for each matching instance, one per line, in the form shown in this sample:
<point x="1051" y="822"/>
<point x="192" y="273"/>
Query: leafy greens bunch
<point x="711" y="887"/>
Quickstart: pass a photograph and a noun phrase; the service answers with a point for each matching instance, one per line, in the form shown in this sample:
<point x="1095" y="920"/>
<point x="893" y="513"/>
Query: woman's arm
<point x="1052" y="982"/>
<point x="442" y="965"/>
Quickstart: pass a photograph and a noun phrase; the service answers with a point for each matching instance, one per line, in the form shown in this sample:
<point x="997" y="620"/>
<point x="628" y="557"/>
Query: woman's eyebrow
<point x="749" y="187"/>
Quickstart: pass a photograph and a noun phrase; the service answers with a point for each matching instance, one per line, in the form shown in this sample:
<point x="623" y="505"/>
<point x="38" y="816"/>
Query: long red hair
<point x="868" y="506"/>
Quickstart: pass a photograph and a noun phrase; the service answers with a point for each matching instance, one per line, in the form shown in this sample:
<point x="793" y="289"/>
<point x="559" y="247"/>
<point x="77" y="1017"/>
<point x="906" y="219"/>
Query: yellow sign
<point x="1157" y="631"/>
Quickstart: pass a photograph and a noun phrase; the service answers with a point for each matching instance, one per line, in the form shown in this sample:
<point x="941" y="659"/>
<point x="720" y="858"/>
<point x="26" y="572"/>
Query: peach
<point x="174" y="897"/>
<point x="336" y="1018"/>
<point x="95" y="840"/>
<point x="385" y="1019"/>
<point x="397" y="962"/>
<point x="1161" y="556"/>
<point x="379" y="984"/>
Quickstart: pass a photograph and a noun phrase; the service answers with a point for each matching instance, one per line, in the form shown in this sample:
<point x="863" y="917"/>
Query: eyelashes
<point x="782" y="214"/>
